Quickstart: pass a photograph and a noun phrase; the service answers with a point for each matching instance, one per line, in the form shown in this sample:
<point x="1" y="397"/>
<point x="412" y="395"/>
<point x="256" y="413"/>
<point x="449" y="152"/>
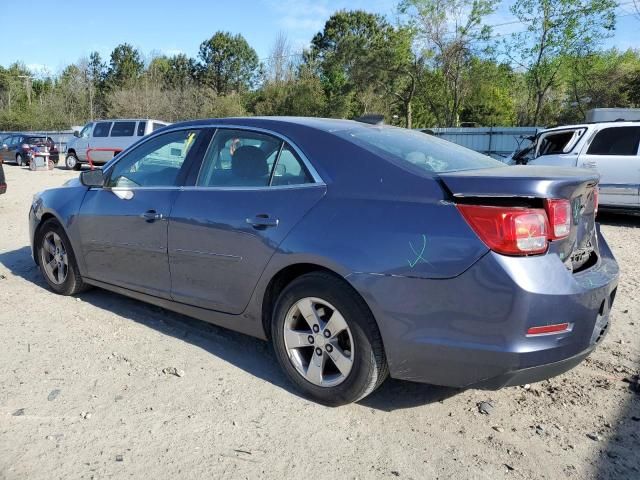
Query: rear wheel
<point x="19" y="160"/>
<point x="57" y="261"/>
<point x="71" y="162"/>
<point x="327" y="341"/>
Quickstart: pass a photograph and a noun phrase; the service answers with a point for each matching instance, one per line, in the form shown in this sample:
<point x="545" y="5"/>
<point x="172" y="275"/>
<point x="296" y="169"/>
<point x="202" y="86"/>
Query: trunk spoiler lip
<point x="517" y="182"/>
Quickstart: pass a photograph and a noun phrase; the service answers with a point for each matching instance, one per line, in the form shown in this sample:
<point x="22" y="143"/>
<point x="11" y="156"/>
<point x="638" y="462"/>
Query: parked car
<point x="20" y="148"/>
<point x="3" y="181"/>
<point x="105" y="139"/>
<point x="358" y="250"/>
<point x="610" y="148"/>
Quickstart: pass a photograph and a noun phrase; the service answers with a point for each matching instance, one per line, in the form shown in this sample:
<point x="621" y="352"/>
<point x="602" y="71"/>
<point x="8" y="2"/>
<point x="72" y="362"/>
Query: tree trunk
<point x="408" y="114"/>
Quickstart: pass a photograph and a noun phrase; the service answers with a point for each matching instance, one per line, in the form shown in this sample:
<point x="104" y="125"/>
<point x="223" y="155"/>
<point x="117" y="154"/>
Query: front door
<point x="613" y="152"/>
<point x="123" y="226"/>
<point x="251" y="190"/>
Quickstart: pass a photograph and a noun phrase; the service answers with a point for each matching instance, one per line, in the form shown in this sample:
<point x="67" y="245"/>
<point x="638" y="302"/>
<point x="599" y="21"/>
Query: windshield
<point x="414" y="148"/>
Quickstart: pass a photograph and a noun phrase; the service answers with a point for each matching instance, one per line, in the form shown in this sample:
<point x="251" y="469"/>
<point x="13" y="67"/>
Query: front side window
<point x="615" y="141"/>
<point x="415" y="150"/>
<point x="123" y="129"/>
<point x="238" y="158"/>
<point x="155" y="163"/>
<point x="86" y="131"/>
<point x="102" y="129"/>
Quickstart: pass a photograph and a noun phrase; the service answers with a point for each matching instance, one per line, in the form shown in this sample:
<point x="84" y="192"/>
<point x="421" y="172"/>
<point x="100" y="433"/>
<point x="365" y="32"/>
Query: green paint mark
<point x="420" y="255"/>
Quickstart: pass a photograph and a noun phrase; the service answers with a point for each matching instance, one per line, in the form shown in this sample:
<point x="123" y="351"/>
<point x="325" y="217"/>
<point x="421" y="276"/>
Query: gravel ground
<point x="83" y="394"/>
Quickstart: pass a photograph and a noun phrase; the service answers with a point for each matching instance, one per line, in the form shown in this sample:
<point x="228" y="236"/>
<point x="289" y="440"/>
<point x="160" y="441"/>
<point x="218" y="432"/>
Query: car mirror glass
<point x="92" y="178"/>
<point x="76" y="133"/>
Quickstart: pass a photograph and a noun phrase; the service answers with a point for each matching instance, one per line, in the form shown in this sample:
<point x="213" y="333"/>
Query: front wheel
<point x="71" y="162"/>
<point x="19" y="160"/>
<point x="57" y="261"/>
<point x="327" y="341"/>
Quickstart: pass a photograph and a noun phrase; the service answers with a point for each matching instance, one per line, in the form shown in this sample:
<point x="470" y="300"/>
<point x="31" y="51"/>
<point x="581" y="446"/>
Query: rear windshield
<point x="414" y="148"/>
<point x="37" y="140"/>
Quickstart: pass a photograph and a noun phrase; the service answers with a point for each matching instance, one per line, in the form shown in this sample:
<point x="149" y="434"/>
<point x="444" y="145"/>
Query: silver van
<point x="99" y="141"/>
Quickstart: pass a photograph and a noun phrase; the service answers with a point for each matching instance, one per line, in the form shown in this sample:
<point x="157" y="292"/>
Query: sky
<point x="171" y="27"/>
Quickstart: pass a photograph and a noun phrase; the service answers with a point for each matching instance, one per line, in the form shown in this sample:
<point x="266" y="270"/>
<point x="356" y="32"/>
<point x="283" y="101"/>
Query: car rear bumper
<point x="470" y="331"/>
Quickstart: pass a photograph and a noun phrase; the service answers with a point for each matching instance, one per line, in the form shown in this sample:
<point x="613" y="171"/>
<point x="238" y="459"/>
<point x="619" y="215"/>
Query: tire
<point x="357" y="345"/>
<point x="71" y="162"/>
<point x="19" y="160"/>
<point x="69" y="282"/>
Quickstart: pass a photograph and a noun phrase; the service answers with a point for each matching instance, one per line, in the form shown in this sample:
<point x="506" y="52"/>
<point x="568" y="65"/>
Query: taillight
<point x="559" y="212"/>
<point x="26" y="147"/>
<point x="509" y="230"/>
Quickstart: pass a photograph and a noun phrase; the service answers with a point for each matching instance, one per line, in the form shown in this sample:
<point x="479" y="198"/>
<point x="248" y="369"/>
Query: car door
<point x="6" y="149"/>
<point x="613" y="152"/>
<point x="123" y="226"/>
<point x="81" y="143"/>
<point x="555" y="148"/>
<point x="224" y="229"/>
<point x="100" y="140"/>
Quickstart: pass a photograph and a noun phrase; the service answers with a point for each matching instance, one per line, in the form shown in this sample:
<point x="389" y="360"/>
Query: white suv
<point x="611" y="148"/>
<point x="105" y="139"/>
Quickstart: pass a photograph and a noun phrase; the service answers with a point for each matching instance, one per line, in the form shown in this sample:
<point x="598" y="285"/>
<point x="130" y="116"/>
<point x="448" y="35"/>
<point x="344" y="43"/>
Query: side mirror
<point x="92" y="178"/>
<point x="76" y="133"/>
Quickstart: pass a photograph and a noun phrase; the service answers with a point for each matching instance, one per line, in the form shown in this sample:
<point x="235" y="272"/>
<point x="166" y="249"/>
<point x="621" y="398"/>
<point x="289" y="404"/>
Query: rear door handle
<point x="151" y="216"/>
<point x="263" y="221"/>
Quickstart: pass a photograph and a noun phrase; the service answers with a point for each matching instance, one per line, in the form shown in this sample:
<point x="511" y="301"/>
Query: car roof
<point x="129" y="120"/>
<point x="627" y="123"/>
<point x="281" y="123"/>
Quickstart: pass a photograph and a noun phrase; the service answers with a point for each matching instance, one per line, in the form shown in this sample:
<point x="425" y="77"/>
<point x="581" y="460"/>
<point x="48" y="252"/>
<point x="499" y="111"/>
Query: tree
<point x="358" y="56"/>
<point x="227" y="63"/>
<point x="448" y="31"/>
<point x="125" y="67"/>
<point x="279" y="63"/>
<point x="555" y="30"/>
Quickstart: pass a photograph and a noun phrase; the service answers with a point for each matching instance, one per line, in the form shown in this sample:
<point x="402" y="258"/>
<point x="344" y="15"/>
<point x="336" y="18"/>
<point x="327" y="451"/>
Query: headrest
<point x="249" y="162"/>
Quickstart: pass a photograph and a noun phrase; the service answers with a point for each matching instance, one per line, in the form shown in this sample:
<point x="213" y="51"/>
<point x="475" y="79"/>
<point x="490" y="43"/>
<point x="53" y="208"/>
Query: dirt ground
<point x="83" y="394"/>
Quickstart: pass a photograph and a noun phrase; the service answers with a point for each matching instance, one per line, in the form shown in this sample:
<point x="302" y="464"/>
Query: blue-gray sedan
<point x="359" y="251"/>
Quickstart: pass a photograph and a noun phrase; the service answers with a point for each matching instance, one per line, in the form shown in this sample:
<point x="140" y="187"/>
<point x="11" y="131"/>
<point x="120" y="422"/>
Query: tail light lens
<point x="509" y="230"/>
<point x="559" y="212"/>
<point x="26" y="147"/>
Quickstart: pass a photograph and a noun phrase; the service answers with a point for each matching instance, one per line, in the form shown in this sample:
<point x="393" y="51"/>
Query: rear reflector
<point x="547" y="329"/>
<point x="508" y="230"/>
<point x="559" y="212"/>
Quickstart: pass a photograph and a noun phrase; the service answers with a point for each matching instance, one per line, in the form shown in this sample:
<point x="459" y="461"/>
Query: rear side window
<point x="616" y="141"/>
<point x="289" y="169"/>
<point x="141" y="127"/>
<point x="155" y="126"/>
<point x="410" y="148"/>
<point x="123" y="129"/>
<point x="102" y="129"/>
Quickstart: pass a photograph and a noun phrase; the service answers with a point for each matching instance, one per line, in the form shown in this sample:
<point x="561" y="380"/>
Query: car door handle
<point x="263" y="221"/>
<point x="151" y="216"/>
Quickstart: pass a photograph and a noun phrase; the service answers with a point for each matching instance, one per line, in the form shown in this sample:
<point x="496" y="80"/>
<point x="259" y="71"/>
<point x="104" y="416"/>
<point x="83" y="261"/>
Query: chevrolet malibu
<point x="359" y="251"/>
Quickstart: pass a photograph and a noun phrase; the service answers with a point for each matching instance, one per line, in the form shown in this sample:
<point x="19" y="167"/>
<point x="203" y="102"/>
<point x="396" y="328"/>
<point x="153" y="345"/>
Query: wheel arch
<point x="288" y="274"/>
<point x="36" y="233"/>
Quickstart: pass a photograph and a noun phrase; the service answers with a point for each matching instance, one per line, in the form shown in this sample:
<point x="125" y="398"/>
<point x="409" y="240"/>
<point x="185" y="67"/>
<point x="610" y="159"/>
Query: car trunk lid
<point x="531" y="186"/>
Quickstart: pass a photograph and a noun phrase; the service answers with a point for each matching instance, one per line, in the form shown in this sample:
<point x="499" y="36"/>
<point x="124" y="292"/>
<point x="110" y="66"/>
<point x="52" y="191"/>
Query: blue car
<point x="358" y="251"/>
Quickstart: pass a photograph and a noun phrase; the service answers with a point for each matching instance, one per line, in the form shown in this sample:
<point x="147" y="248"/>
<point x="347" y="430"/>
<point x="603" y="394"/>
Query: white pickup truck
<point x="611" y="148"/>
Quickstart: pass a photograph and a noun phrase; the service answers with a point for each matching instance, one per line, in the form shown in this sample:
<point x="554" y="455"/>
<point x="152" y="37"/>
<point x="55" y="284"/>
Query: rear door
<point x="613" y="152"/>
<point x="250" y="191"/>
<point x="123" y="226"/>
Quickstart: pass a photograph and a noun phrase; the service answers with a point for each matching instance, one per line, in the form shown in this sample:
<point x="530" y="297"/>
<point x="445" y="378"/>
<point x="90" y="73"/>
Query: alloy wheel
<point x="54" y="258"/>
<point x="318" y="341"/>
